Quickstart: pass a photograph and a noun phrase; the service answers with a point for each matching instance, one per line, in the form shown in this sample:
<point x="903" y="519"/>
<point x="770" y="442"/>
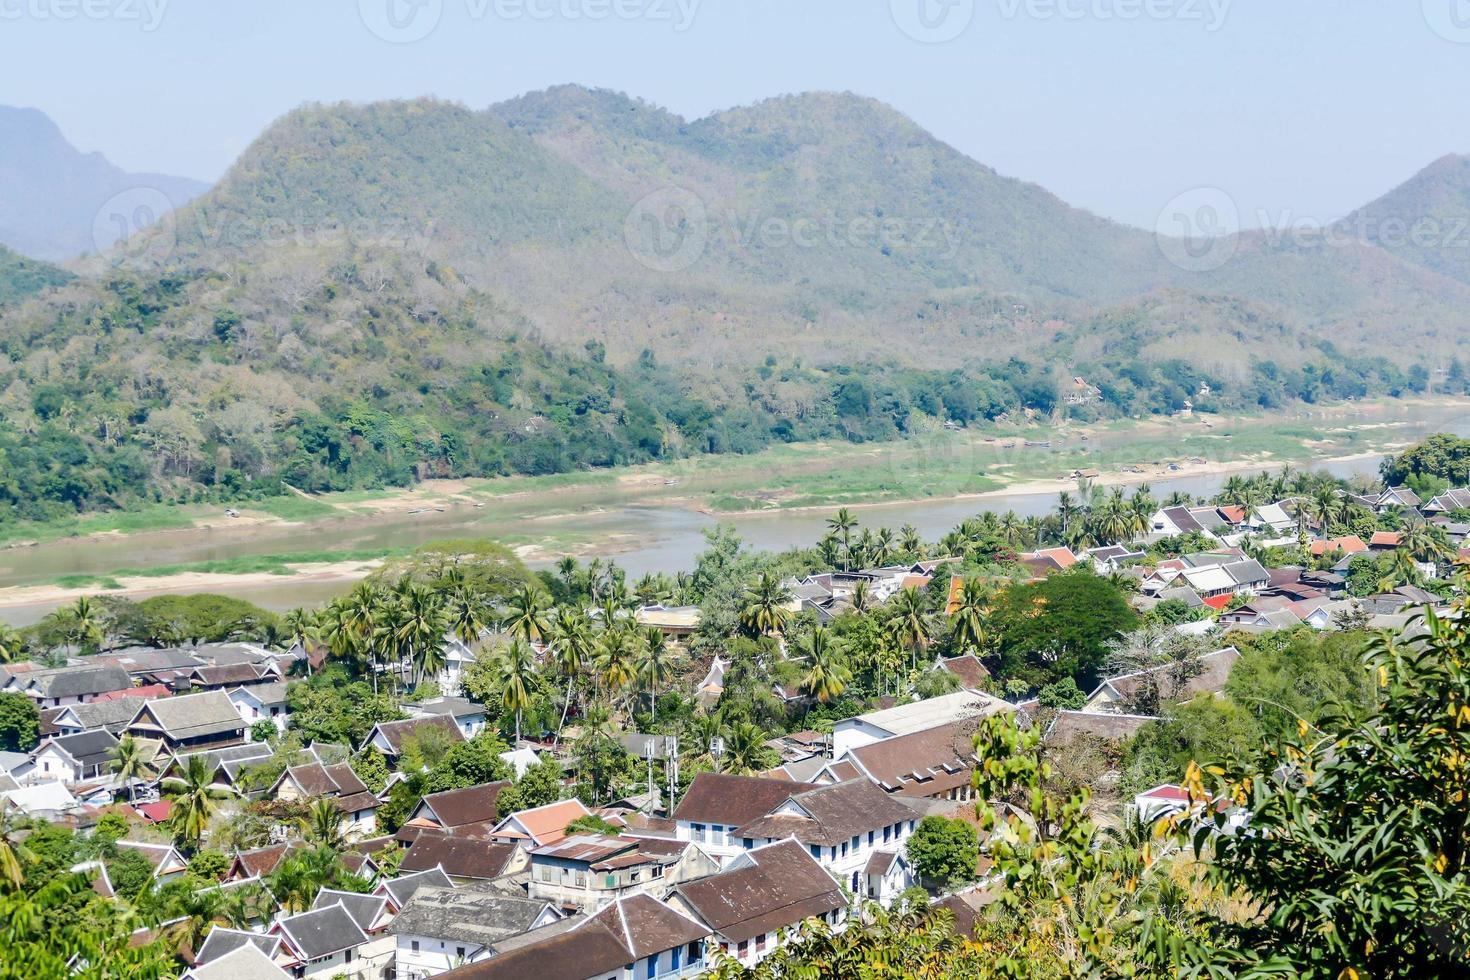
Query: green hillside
<point x="382" y="293"/>
<point x="21" y="277"/>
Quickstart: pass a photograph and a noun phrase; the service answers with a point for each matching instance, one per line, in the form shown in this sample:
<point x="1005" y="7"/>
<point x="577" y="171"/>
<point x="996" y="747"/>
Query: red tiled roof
<point x="1218" y="601"/>
<point x="155" y="812"/>
<point x="149" y="691"/>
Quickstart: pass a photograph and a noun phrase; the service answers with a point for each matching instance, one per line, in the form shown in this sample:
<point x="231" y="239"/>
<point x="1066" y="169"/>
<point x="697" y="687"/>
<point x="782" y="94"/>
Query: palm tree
<point x="909" y="541"/>
<point x="128" y="762"/>
<point x="616" y="661"/>
<point x="862" y="596"/>
<point x="322" y="824"/>
<point x="653" y="664"/>
<point x="572" y="646"/>
<point x="517" y="669"/>
<point x="526" y="617"/>
<point x="909" y="625"/>
<point x="1012" y="529"/>
<point x="356" y="627"/>
<point x="1425" y="541"/>
<point x="826" y="674"/>
<point x="566" y="568"/>
<point x="13" y="645"/>
<point x="415" y="627"/>
<point x="13" y="852"/>
<point x="745" y="750"/>
<point x="194" y="800"/>
<point x="972" y="618"/>
<point x="468" y="612"/>
<point x="765" y="609"/>
<point x="842" y="525"/>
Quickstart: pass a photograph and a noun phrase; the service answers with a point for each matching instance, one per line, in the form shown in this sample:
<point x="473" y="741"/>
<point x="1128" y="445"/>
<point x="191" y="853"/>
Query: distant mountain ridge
<point x="380" y="293"/>
<point x="52" y="195"/>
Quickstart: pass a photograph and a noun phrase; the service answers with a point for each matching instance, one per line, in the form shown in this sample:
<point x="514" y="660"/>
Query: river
<point x="661" y="537"/>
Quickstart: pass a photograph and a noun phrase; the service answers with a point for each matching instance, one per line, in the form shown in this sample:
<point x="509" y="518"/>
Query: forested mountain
<point x="382" y="292"/>
<point x="52" y="195"/>
<point x="1425" y="220"/>
<point x="21" y="277"/>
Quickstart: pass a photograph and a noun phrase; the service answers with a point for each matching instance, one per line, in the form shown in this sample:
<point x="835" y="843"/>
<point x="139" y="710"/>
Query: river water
<point x="662" y="537"/>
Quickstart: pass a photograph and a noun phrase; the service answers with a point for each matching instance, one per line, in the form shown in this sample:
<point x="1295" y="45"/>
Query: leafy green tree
<point x="20" y="723"/>
<point x="944" y="851"/>
<point x="372" y="769"/>
<point x="539" y="785"/>
<point x="469" y="763"/>
<point x="1060" y="627"/>
<point x="1063" y="694"/>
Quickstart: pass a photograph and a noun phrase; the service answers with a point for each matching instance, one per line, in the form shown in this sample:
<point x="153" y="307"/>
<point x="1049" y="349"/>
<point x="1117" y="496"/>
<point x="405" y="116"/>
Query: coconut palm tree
<point x="566" y="569"/>
<point x="128" y="762"/>
<point x="616" y="661"/>
<point x="972" y="618"/>
<point x="827" y="675"/>
<point x="13" y="645"/>
<point x="416" y="627"/>
<point x="909" y="621"/>
<point x="910" y="543"/>
<point x="14" y="855"/>
<point x="572" y="647"/>
<point x="322" y="824"/>
<point x="527" y="615"/>
<point x="745" y="750"/>
<point x="1425" y="541"/>
<point x="194" y="800"/>
<point x="862" y="595"/>
<point x="764" y="611"/>
<point x="468" y="612"/>
<point x="516" y="666"/>
<point x="841" y="525"/>
<point x="653" y="664"/>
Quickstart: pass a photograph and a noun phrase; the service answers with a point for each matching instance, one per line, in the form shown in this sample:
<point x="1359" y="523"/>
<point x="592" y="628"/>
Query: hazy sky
<point x="1304" y="106"/>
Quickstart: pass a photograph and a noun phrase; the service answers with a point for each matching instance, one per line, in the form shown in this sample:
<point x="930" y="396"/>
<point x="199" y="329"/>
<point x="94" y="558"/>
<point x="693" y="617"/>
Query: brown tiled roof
<point x="650" y="926"/>
<point x="227" y="675"/>
<point x="471" y="805"/>
<point x="783" y="887"/>
<point x="916" y="763"/>
<point x="730" y="800"/>
<point x="880" y="862"/>
<point x="460" y="857"/>
<point x="394" y="732"/>
<point x="970" y="671"/>
<point x="588" y="950"/>
<point x="1068" y="725"/>
<point x="261" y="861"/>
<point x="838" y="812"/>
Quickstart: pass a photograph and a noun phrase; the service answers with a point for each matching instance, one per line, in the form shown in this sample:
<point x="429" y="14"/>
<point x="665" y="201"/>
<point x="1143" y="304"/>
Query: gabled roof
<point x="365" y="910"/>
<point x="1213" y="670"/>
<point x="265" y="694"/>
<point x="542" y="824"/>
<point x="648" y="926"/>
<point x="1181" y="518"/>
<point x="315" y="779"/>
<point x="88" y="749"/>
<point x="245" y="962"/>
<point x="763" y="891"/>
<point x="1069" y="725"/>
<point x="730" y="800"/>
<point x="971" y="672"/>
<point x="588" y="949"/>
<point x="399" y="890"/>
<point x="464" y="807"/>
<point x="112" y="714"/>
<point x="830" y="814"/>
<point x="394" y="732"/>
<point x="472" y="916"/>
<point x="261" y="861"/>
<point x="191" y="715"/>
<point x="221" y="941"/>
<point x="921" y="763"/>
<point x="320" y="932"/>
<point x="459" y="857"/>
<point x="75" y="682"/>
